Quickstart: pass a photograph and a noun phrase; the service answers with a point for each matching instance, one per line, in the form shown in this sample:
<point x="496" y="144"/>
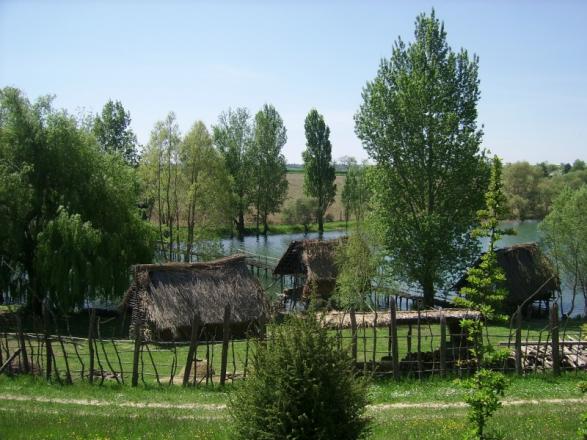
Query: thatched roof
<point x="527" y="270"/>
<point x="167" y="296"/>
<point x="313" y="258"/>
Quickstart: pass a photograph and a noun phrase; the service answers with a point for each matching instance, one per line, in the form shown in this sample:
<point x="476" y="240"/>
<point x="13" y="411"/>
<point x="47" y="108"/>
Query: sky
<point x="200" y="58"/>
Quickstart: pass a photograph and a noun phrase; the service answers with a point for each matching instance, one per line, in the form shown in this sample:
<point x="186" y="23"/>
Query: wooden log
<point x="192" y="349"/>
<point x="91" y="330"/>
<point x="225" y="342"/>
<point x="137" y="352"/>
<point x="554" y="330"/>
<point x="353" y="317"/>
<point x="419" y="342"/>
<point x="394" y="341"/>
<point x="48" y="347"/>
<point x="21" y="342"/>
<point x="374" y="356"/>
<point x="442" y="345"/>
<point x="10" y="359"/>
<point x="518" y="343"/>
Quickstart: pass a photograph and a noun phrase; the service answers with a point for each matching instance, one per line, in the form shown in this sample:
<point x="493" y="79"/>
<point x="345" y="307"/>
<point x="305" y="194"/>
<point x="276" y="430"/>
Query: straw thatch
<point x="527" y="271"/>
<point x="166" y="297"/>
<point x="314" y="260"/>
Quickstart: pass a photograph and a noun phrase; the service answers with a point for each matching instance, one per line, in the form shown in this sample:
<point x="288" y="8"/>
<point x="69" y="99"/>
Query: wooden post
<point x="21" y="342"/>
<point x="137" y="351"/>
<point x="48" y="347"/>
<point x="442" y="344"/>
<point x="409" y="338"/>
<point x="91" y="329"/>
<point x="556" y="362"/>
<point x="225" y="341"/>
<point x="394" y="342"/>
<point x="419" y="353"/>
<point x="518" y="342"/>
<point x="192" y="349"/>
<point x="353" y="317"/>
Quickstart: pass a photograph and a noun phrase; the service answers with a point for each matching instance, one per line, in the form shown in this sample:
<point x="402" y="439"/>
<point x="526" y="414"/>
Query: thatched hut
<point x="312" y="264"/>
<point x="166" y="297"/>
<point x="527" y="271"/>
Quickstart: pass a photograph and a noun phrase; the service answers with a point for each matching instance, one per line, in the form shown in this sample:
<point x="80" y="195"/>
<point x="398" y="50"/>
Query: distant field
<point x="296" y="191"/>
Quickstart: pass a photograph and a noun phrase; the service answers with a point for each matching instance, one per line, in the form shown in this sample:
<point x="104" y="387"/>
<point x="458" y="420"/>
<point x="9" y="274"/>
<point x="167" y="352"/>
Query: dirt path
<point x="222" y="406"/>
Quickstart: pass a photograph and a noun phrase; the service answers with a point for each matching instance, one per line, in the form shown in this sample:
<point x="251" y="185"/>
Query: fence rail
<point x="394" y="346"/>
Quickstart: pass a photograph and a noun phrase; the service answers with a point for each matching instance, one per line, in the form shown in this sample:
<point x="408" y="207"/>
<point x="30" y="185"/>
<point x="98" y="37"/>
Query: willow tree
<point x="319" y="172"/>
<point x="418" y="122"/>
<point x="69" y="207"/>
<point x="233" y="136"/>
<point x="269" y="167"/>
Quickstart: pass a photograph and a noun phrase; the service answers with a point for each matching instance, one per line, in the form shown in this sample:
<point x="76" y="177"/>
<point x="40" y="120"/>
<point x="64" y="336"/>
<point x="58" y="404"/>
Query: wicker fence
<point x="385" y="343"/>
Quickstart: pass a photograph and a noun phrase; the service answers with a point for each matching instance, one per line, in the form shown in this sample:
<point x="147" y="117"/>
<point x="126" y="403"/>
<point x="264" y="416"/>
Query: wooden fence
<point x="391" y="343"/>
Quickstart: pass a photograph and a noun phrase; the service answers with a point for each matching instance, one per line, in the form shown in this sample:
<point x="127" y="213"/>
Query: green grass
<point x="52" y="420"/>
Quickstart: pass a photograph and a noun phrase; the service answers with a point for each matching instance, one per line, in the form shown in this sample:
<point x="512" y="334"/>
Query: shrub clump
<point x="302" y="386"/>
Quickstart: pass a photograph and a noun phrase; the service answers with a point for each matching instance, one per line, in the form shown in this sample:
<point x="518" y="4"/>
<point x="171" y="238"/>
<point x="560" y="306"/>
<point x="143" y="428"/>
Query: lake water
<point x="273" y="246"/>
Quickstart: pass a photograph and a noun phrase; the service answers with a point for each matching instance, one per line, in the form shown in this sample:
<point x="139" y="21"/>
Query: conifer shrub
<point x="302" y="386"/>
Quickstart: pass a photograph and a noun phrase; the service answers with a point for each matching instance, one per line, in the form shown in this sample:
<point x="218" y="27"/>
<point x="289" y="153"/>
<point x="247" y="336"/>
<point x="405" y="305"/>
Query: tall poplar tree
<point x="418" y="122"/>
<point x="112" y="129"/>
<point x="319" y="171"/>
<point x="269" y="166"/>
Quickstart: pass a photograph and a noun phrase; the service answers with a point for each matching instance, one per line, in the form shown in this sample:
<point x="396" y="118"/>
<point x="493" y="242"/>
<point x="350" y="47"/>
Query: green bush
<point x="302" y="386"/>
<point x="486" y="387"/>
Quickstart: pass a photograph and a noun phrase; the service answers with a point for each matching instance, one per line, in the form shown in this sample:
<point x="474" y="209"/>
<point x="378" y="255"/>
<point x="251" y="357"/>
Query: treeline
<point x="531" y="189"/>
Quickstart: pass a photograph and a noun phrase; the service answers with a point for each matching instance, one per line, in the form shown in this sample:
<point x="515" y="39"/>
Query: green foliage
<point x="531" y="189"/>
<point x="356" y="192"/>
<point x="485" y="283"/>
<point x="113" y="132"/>
<point x="160" y="175"/>
<point x="357" y="265"/>
<point x="60" y="194"/>
<point x="319" y="171"/>
<point x="486" y="388"/>
<point x="582" y="431"/>
<point x="269" y="169"/>
<point x="302" y="387"/>
<point x="205" y="196"/>
<point x="418" y="123"/>
<point x="565" y="237"/>
<point x="233" y="136"/>
<point x="300" y="212"/>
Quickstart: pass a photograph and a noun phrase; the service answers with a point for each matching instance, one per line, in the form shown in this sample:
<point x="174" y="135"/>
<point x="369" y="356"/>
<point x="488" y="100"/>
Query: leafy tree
<point x="302" y="386"/>
<point x="70" y="209"/>
<point x="269" y="166"/>
<point x="319" y="172"/>
<point x="233" y="137"/>
<point x="356" y="191"/>
<point x="565" y="237"/>
<point x="485" y="289"/>
<point x="522" y="186"/>
<point x="112" y="129"/>
<point x="160" y="173"/>
<point x="418" y="122"/>
<point x="205" y="187"/>
<point x="301" y="212"/>
<point x="578" y="165"/>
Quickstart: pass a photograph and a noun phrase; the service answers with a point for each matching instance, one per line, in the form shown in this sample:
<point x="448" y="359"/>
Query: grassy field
<point x="112" y="411"/>
<point x="296" y="191"/>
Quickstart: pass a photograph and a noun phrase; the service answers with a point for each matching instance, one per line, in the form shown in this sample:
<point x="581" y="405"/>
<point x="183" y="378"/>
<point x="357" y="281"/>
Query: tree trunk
<point x="240" y="225"/>
<point x="320" y="223"/>
<point x="428" y="289"/>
